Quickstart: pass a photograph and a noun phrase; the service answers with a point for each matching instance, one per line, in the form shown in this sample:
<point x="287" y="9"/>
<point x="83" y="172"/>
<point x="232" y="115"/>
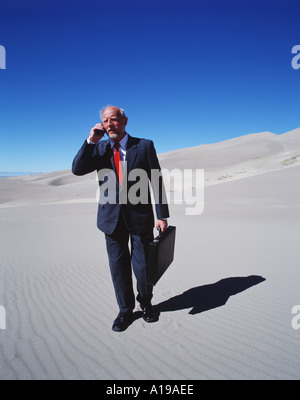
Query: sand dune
<point x="240" y="157"/>
<point x="233" y="159"/>
<point x="225" y="303"/>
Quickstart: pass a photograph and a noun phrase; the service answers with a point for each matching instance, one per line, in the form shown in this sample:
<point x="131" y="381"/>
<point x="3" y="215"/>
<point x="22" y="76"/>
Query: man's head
<point x="114" y="121"/>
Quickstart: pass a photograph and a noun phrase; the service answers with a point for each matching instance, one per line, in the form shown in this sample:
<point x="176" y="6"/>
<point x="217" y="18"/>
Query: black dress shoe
<point x="149" y="314"/>
<point x="122" y="322"/>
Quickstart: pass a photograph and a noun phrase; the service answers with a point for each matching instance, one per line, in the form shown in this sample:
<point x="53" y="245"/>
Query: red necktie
<point x="117" y="160"/>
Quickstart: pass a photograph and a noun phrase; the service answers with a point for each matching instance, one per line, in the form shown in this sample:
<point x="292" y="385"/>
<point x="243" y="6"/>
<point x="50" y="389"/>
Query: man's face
<point x="114" y="124"/>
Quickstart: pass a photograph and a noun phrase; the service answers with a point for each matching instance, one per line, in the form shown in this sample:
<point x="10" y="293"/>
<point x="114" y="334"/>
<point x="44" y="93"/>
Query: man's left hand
<point x="162" y="224"/>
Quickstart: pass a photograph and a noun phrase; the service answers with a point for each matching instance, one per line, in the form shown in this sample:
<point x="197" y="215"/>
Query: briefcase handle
<point x="160" y="233"/>
<point x="156" y="240"/>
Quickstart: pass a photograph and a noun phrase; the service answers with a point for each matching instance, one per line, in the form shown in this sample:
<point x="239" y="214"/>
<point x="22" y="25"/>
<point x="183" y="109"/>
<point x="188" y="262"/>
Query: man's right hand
<point x="97" y="133"/>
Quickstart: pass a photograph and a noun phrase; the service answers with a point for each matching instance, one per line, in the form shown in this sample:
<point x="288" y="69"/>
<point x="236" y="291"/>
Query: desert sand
<point x="225" y="303"/>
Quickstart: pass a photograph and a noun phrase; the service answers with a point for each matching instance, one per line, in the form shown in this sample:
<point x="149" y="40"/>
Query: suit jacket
<point x="140" y="154"/>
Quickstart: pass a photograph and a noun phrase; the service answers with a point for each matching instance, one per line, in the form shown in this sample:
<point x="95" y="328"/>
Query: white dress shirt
<point x="122" y="148"/>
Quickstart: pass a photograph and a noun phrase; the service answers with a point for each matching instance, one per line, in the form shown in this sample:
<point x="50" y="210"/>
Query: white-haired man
<point x="124" y="221"/>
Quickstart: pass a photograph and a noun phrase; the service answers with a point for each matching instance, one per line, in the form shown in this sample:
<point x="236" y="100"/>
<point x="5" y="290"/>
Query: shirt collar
<point x="123" y="142"/>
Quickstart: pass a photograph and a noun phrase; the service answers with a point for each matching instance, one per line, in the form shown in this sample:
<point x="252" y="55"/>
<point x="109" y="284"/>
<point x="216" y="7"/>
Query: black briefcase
<point x="161" y="254"/>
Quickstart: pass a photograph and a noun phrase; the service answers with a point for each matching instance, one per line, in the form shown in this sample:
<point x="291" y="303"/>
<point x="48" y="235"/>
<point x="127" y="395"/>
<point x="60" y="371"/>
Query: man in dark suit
<point x="123" y="215"/>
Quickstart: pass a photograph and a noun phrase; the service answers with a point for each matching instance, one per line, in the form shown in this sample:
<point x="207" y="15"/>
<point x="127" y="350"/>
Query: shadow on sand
<point x="207" y="297"/>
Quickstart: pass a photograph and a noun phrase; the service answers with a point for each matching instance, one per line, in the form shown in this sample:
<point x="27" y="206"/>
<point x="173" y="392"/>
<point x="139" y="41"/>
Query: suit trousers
<point x="123" y="258"/>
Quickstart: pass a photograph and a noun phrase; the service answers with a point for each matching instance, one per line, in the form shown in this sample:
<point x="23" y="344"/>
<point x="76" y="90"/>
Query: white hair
<point x="121" y="111"/>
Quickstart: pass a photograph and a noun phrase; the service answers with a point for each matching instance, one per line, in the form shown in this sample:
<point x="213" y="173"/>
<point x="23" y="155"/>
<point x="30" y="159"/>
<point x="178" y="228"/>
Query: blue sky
<point x="186" y="72"/>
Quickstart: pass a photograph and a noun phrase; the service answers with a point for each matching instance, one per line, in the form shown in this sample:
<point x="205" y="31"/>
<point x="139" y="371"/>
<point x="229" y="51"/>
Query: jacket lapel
<point x="108" y="151"/>
<point x="131" y="153"/>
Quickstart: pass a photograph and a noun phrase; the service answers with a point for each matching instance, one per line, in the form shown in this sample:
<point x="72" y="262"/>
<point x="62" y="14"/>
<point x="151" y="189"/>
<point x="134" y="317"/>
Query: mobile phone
<point x="100" y="131"/>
